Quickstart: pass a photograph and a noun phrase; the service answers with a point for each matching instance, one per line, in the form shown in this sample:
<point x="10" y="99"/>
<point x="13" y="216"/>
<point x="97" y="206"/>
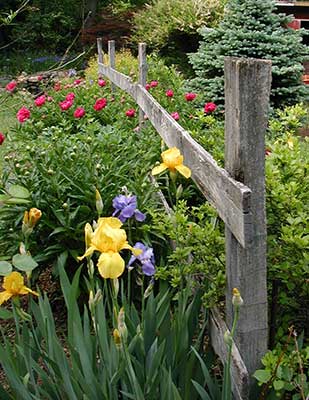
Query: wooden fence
<point x="237" y="192"/>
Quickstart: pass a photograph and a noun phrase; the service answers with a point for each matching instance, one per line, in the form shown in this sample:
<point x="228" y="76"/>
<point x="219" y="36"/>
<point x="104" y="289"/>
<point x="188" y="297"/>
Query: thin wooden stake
<point x="142" y="75"/>
<point x="112" y="58"/>
<point x="100" y="51"/>
<point x="247" y="89"/>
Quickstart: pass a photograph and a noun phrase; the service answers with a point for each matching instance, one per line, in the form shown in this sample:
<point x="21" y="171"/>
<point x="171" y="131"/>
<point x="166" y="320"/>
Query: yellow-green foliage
<point x="125" y="63"/>
<point x="158" y="20"/>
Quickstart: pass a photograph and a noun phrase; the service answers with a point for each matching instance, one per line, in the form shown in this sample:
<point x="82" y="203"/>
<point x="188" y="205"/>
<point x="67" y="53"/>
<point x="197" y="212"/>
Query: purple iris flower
<point x="125" y="207"/>
<point x="72" y="72"/>
<point x="146" y="258"/>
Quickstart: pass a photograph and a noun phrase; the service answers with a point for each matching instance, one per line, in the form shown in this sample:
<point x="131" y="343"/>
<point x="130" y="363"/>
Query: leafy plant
<point x="285" y="369"/>
<point x="198" y="255"/>
<point x="159" y="20"/>
<point x="152" y="356"/>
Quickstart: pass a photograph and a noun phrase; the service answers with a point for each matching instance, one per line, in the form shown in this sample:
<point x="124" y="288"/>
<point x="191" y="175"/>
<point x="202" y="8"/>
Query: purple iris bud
<point x="146" y="259"/>
<point x="126" y="207"/>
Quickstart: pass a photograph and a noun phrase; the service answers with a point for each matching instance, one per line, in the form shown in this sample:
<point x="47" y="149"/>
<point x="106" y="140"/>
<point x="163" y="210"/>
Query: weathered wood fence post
<point x="142" y="75"/>
<point x="112" y="58"/>
<point x="247" y="89"/>
<point x="100" y="50"/>
<point x="237" y="192"/>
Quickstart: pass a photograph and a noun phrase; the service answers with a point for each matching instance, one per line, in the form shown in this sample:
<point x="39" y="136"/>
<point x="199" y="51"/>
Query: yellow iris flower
<point x="13" y="285"/>
<point x="172" y="160"/>
<point x="109" y="240"/>
<point x="32" y="216"/>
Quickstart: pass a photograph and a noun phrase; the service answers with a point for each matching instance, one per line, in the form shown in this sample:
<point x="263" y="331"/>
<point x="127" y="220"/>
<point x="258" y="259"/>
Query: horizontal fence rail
<point x="230" y="197"/>
<point x="237" y="193"/>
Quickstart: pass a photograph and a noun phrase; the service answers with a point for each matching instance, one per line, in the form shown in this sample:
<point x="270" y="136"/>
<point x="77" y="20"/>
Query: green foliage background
<point x="250" y="28"/>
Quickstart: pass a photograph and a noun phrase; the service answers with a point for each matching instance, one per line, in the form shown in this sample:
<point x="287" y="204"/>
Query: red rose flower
<point x="175" y="115"/>
<point x="154" y="83"/>
<point x="100" y="104"/>
<point x="23" y="114"/>
<point x="40" y="101"/>
<point x="79" y="112"/>
<point x="77" y="82"/>
<point x="10" y="87"/>
<point x="40" y="77"/>
<point x="190" y="96"/>
<point x="70" y="96"/>
<point x="65" y="105"/>
<point x="130" y="113"/>
<point x="2" y="138"/>
<point x="209" y="108"/>
<point x="147" y="86"/>
<point x="169" y="93"/>
<point x="101" y="82"/>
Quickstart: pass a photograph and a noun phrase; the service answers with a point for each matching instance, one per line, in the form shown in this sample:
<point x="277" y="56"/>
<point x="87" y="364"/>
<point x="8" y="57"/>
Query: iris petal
<point x="88" y="252"/>
<point x="26" y="290"/>
<point x="111" y="265"/>
<point x="183" y="170"/>
<point x="139" y="216"/>
<point x="4" y="296"/>
<point x="160" y="168"/>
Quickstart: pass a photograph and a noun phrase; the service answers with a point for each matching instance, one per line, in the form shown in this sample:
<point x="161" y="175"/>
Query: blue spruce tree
<point x="250" y="28"/>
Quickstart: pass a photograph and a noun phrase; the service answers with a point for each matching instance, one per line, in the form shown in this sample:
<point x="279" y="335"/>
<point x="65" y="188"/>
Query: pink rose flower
<point x="175" y="115"/>
<point x="154" y="84"/>
<point x="169" y="93"/>
<point x="40" y="101"/>
<point x="77" y="82"/>
<point x="70" y="96"/>
<point x="190" y="96"/>
<point x="2" y="138"/>
<point x="40" y="78"/>
<point x="101" y="82"/>
<point x="100" y="104"/>
<point x="65" y="105"/>
<point x="49" y="98"/>
<point x="147" y="86"/>
<point x="130" y="113"/>
<point x="209" y="108"/>
<point x="23" y="114"/>
<point x="10" y="87"/>
<point x="79" y="112"/>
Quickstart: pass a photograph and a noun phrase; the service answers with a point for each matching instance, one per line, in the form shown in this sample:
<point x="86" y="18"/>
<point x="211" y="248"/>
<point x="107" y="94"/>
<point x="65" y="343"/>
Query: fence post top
<point x="245" y="60"/>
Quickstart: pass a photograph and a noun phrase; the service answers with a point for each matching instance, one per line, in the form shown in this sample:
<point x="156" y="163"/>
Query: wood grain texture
<point x="229" y="197"/>
<point x="142" y="75"/>
<point x="122" y="81"/>
<point x="239" y="373"/>
<point x="112" y="58"/>
<point x="247" y="89"/>
<point x="100" y="50"/>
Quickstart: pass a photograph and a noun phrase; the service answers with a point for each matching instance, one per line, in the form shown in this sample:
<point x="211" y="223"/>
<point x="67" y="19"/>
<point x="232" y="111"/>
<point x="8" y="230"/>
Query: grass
<point x="8" y="108"/>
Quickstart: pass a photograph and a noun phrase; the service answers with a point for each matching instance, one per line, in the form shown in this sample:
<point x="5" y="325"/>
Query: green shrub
<point x="170" y="26"/>
<point x="157" y="21"/>
<point x="286" y="369"/>
<point x="250" y="28"/>
<point x="198" y="238"/>
<point x="287" y="200"/>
